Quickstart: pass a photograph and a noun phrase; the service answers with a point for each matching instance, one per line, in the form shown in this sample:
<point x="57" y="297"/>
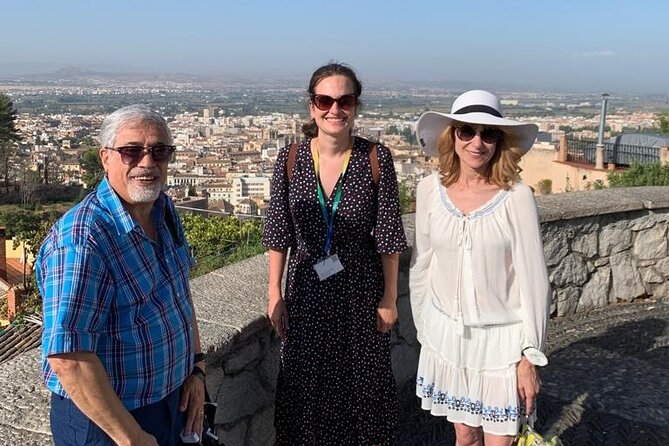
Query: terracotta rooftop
<point x="19" y="338"/>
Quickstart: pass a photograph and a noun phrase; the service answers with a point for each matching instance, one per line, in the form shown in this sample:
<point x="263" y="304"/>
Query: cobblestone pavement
<point x="606" y="384"/>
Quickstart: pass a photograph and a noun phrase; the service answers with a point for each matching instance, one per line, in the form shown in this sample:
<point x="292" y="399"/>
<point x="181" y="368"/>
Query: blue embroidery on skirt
<point x="488" y="413"/>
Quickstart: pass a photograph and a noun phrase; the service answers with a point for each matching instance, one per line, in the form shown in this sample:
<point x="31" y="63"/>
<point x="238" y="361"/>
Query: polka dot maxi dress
<point x="335" y="384"/>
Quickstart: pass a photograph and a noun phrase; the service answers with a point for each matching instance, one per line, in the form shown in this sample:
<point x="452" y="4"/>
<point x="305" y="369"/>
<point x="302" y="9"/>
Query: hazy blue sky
<point x="592" y="45"/>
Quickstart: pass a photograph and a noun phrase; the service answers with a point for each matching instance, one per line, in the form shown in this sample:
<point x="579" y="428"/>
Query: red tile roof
<point x="18" y="338"/>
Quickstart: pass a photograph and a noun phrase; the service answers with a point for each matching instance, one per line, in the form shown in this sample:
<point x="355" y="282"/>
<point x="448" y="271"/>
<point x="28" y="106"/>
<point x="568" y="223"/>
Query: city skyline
<point x="591" y="45"/>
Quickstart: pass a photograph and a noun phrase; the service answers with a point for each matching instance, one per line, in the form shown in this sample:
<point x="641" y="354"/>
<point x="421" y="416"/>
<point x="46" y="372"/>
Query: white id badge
<point x="327" y="267"/>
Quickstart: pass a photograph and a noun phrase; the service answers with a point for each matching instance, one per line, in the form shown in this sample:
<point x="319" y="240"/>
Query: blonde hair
<point x="502" y="169"/>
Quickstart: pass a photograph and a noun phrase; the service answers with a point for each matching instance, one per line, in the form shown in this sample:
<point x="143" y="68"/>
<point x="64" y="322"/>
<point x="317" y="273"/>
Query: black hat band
<point x="478" y="109"/>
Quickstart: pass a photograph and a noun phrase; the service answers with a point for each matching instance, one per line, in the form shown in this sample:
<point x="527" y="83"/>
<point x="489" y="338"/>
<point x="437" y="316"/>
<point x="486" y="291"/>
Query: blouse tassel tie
<point x="464" y="241"/>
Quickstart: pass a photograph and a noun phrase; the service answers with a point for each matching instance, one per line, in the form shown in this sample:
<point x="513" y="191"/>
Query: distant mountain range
<point x="78" y="76"/>
<point x="82" y="75"/>
<point x="106" y="75"/>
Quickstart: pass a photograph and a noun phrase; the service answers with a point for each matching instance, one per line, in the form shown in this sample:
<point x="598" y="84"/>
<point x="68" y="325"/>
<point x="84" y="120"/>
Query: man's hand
<point x="143" y="439"/>
<point x="85" y="379"/>
<point x="529" y="384"/>
<point x="192" y="399"/>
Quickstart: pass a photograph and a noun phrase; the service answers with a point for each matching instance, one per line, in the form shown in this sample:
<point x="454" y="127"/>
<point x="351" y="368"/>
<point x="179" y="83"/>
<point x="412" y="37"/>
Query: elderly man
<point x="121" y="349"/>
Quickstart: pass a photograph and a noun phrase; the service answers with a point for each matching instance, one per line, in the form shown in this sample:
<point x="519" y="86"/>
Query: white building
<point x="218" y="191"/>
<point x="246" y="207"/>
<point x="250" y="186"/>
<point x="186" y="179"/>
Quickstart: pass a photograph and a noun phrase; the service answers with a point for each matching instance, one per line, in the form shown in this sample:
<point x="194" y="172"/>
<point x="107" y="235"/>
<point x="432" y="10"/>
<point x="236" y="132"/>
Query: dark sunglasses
<point x="489" y="135"/>
<point x="324" y="102"/>
<point x="133" y="154"/>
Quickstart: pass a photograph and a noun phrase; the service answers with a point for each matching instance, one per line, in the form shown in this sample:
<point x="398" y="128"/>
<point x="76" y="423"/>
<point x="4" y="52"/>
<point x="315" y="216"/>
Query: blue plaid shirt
<point x="109" y="289"/>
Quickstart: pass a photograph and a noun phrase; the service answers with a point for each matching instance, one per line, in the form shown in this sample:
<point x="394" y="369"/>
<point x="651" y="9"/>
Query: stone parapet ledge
<point x="572" y="205"/>
<point x="243" y="351"/>
<point x="231" y="304"/>
<point x="607" y="246"/>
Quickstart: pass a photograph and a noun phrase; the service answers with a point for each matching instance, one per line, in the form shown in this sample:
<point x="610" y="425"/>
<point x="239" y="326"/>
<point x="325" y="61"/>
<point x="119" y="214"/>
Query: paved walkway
<point x="606" y="384"/>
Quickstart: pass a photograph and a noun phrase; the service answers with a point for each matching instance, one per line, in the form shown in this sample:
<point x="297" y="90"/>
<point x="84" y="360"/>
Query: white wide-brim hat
<point x="472" y="107"/>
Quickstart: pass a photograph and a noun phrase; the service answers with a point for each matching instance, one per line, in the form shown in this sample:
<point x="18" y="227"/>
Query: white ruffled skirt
<point x="469" y="378"/>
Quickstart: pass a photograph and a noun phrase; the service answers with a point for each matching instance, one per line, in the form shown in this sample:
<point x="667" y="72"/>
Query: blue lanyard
<point x="329" y="219"/>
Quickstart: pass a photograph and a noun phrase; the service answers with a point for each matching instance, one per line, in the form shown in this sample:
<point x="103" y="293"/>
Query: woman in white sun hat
<point x="479" y="287"/>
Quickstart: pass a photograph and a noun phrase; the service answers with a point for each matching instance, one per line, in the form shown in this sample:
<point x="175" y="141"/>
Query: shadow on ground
<point x="607" y="383"/>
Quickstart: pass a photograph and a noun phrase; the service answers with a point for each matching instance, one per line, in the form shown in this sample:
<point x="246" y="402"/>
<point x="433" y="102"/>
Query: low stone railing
<point x="606" y="246"/>
<point x="601" y="247"/>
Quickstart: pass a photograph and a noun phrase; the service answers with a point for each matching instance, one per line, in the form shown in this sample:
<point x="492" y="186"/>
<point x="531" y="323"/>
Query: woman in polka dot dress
<point x="335" y="384"/>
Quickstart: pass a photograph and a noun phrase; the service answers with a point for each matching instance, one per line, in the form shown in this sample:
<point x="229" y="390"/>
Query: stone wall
<point x="242" y="366"/>
<point x="602" y="247"/>
<point x="606" y="246"/>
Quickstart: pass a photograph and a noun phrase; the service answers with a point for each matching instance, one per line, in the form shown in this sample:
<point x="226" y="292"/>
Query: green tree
<point x="28" y="227"/>
<point x="663" y="123"/>
<point x="92" y="166"/>
<point x="30" y="181"/>
<point x="545" y="186"/>
<point x="31" y="231"/>
<point x="24" y="232"/>
<point x="85" y="142"/>
<point x="410" y="136"/>
<point x="641" y="175"/>
<point x="9" y="136"/>
<point x="596" y="185"/>
<point x="217" y="240"/>
<point x="406" y="200"/>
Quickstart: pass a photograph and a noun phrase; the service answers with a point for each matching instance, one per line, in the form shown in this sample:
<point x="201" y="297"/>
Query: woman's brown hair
<point x="310" y="129"/>
<point x="503" y="169"/>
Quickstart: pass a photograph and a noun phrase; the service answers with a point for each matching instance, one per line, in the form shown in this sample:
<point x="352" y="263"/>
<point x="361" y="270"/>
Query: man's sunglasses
<point x="133" y="154"/>
<point x="489" y="135"/>
<point x="324" y="102"/>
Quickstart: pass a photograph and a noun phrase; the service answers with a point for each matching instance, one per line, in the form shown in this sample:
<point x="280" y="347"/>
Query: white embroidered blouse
<point x="494" y="251"/>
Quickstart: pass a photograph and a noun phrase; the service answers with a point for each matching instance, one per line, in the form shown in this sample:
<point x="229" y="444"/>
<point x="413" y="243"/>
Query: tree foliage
<point x="544" y="186"/>
<point x="663" y="123"/>
<point x="8" y="130"/>
<point x="30" y="228"/>
<point x="405" y="197"/>
<point x="641" y="175"/>
<point x="9" y="136"/>
<point x="28" y="225"/>
<point x="217" y="240"/>
<point x="594" y="185"/>
<point x="410" y="136"/>
<point x="87" y="142"/>
<point x="92" y="166"/>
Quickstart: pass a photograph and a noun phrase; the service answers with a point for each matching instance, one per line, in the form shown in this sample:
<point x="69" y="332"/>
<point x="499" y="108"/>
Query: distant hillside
<point x="83" y="77"/>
